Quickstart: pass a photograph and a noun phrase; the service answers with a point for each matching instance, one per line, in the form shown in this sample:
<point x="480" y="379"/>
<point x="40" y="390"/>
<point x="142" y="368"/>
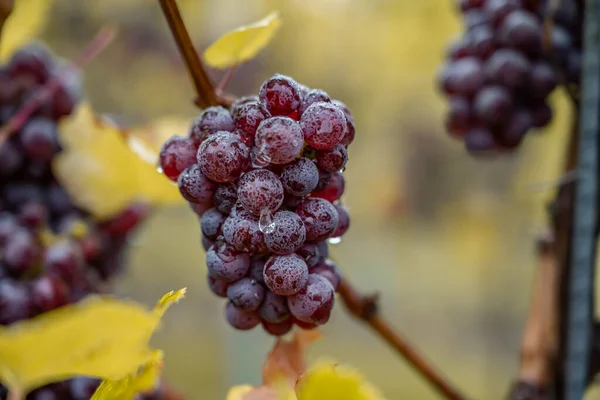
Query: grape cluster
<point x="266" y="179"/>
<point x="51" y="252"/>
<point x="498" y="75"/>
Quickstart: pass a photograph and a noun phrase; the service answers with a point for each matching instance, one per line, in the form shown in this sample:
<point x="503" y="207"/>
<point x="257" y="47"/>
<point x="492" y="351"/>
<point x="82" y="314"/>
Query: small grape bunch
<point x="498" y="75"/>
<point x="266" y="179"/>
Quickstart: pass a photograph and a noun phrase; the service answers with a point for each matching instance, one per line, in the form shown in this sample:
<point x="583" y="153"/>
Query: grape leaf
<point x="328" y="380"/>
<point x="243" y="43"/>
<point x="26" y="20"/>
<point x="126" y="388"/>
<point x="100" y="170"/>
<point x="100" y="336"/>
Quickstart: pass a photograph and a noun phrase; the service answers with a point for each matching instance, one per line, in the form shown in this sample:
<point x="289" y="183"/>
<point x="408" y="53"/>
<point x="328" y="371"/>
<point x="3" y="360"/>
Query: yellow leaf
<point x="126" y="388"/>
<point x="328" y="380"/>
<point x="243" y="43"/>
<point x="99" y="336"/>
<point x="26" y="20"/>
<point x="101" y="172"/>
<point x="147" y="141"/>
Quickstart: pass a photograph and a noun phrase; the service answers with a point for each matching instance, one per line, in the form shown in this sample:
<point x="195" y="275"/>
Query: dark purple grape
<point x="464" y="77"/>
<point x="332" y="160"/>
<point x="314" y="96"/>
<point x="509" y="68"/>
<point x="211" y="223"/>
<point x="177" y="154"/>
<point x="241" y="320"/>
<point x="542" y="115"/>
<point x="225" y="197"/>
<point x="278" y="140"/>
<point x="479" y="139"/>
<point x="482" y="41"/>
<point x="562" y="44"/>
<point x="33" y="214"/>
<point x="466" y="5"/>
<point x="459" y="118"/>
<point x="499" y="9"/>
<point x="17" y="193"/>
<point x="280" y="94"/>
<point x="323" y="125"/>
<point x="274" y="308"/>
<point x="334" y="189"/>
<point x="522" y="30"/>
<point x="300" y="177"/>
<point x="287" y="235"/>
<point x="212" y="120"/>
<point x="217" y="286"/>
<point x="49" y="292"/>
<point x="257" y="266"/>
<point x="310" y="254"/>
<point x="313" y="303"/>
<point x="9" y="225"/>
<point x="343" y="221"/>
<point x="39" y="139"/>
<point x="14" y="302"/>
<point x="285" y="275"/>
<point x="543" y="80"/>
<point x="475" y="19"/>
<point x="66" y="260"/>
<point x="320" y="218"/>
<point x="82" y="387"/>
<point x="246" y="294"/>
<point x="460" y="47"/>
<point x="34" y="60"/>
<point x="223" y="157"/>
<point x="68" y="93"/>
<point x="260" y="190"/>
<point x="247" y="118"/>
<point x="54" y="391"/>
<point x="516" y="128"/>
<point x="21" y="252"/>
<point x="573" y="68"/>
<point x="279" y="329"/>
<point x="243" y="234"/>
<point x="58" y="200"/>
<point x="11" y="158"/>
<point x="194" y="186"/>
<point x="493" y="105"/>
<point x="227" y="264"/>
<point x="330" y="271"/>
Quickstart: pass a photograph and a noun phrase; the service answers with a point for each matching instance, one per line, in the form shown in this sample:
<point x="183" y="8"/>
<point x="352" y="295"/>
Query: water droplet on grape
<point x="265" y="222"/>
<point x="335" y="240"/>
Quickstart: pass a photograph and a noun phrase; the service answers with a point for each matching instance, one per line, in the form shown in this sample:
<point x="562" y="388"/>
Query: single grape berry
<point x="211" y="223"/>
<point x="9" y="225"/>
<point x="543" y="80"/>
<point x="274" y="308"/>
<point x="499" y="9"/>
<point x="333" y="159"/>
<point x="464" y="77"/>
<point x="459" y="116"/>
<point x="39" y="139"/>
<point x="523" y="31"/>
<point x="493" y="105"/>
<point x="246" y="294"/>
<point x="194" y="186"/>
<point x="14" y="302"/>
<point x="177" y="154"/>
<point x="243" y="234"/>
<point x="212" y="120"/>
<point x="287" y="235"/>
<point x="66" y="260"/>
<point x="217" y="286"/>
<point x="508" y="67"/>
<point x="320" y="218"/>
<point x="314" y="96"/>
<point x="34" y="60"/>
<point x="21" y="252"/>
<point x="225" y="197"/>
<point x="310" y="254"/>
<point x="260" y="190"/>
<point x="285" y="275"/>
<point x="482" y="42"/>
<point x="350" y="134"/>
<point x="300" y="177"/>
<point x="278" y="140"/>
<point x="49" y="292"/>
<point x="33" y="214"/>
<point x="330" y="271"/>
<point x="223" y="157"/>
<point x="247" y="118"/>
<point x="479" y="140"/>
<point x="278" y="329"/>
<point x="516" y="128"/>
<point x="334" y="189"/>
<point x="313" y="303"/>
<point x="227" y="264"/>
<point x="323" y="125"/>
<point x="280" y="95"/>
<point x="241" y="320"/>
<point x="343" y="221"/>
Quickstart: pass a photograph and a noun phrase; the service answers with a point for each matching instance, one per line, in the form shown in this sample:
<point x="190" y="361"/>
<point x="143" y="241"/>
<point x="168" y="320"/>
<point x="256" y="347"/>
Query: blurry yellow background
<point x="447" y="239"/>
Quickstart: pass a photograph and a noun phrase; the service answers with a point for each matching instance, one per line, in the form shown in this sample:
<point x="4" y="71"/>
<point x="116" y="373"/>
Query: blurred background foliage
<point x="447" y="239"/>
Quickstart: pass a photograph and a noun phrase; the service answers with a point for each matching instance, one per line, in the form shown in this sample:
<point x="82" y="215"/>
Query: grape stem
<point x="98" y="44"/>
<point x="365" y="308"/>
<point x="206" y="93"/>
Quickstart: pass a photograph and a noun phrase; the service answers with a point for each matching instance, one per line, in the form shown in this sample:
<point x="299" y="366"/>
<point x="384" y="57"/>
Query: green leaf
<point x="100" y="336"/>
<point x="243" y="43"/>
